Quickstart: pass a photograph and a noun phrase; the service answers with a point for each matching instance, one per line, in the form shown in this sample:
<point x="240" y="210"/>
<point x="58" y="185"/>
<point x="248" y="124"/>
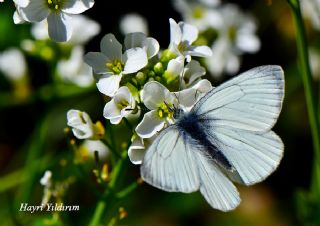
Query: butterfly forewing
<point x="251" y="101"/>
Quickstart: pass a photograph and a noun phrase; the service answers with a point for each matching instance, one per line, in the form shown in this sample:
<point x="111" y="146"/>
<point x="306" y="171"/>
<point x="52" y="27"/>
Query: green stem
<point x="98" y="213"/>
<point x="309" y="91"/>
<point x="109" y="192"/>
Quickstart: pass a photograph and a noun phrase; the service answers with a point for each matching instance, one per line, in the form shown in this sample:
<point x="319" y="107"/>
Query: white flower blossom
<point x="90" y="146"/>
<point x="58" y="14"/>
<point x="83" y="30"/>
<point x="236" y="35"/>
<point x="136" y="150"/>
<point x="13" y="64"/>
<point x="133" y="22"/>
<point x="203" y="14"/>
<point x="46" y="179"/>
<point x="182" y="36"/>
<point x="82" y="126"/>
<point x="161" y="103"/>
<point x="192" y="73"/>
<point x="158" y="99"/>
<point x="74" y="70"/>
<point x="110" y="64"/>
<point x="121" y="105"/>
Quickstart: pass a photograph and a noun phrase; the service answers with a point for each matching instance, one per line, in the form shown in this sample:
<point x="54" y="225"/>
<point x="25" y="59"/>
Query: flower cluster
<point x="229" y="31"/>
<point x="144" y="84"/>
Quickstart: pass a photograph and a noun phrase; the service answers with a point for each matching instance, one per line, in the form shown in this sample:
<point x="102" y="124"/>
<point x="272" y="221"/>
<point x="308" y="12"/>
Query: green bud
<point x="166" y="56"/>
<point x="151" y="74"/>
<point x="158" y="68"/>
<point x="141" y="77"/>
<point x="150" y="79"/>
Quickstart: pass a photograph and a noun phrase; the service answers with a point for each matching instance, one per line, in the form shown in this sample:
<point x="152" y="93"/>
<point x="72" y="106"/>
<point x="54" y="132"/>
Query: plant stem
<point x="98" y="213"/>
<point x="109" y="192"/>
<point x="309" y="91"/>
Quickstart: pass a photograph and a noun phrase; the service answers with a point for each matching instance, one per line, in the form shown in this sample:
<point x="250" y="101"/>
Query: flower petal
<point x="152" y="47"/>
<point x="76" y="6"/>
<point x="36" y="11"/>
<point x="111" y="111"/>
<point x="200" y="51"/>
<point x="175" y="32"/>
<point x="109" y="84"/>
<point x="175" y="66"/>
<point x="154" y="94"/>
<point x="150" y="125"/>
<point x="189" y="32"/>
<point x="97" y="61"/>
<point x="193" y="71"/>
<point x="110" y="47"/>
<point x="136" y="151"/>
<point x="133" y="40"/>
<point x="59" y="27"/>
<point x="21" y="3"/>
<point x="188" y="97"/>
<point x="135" y="59"/>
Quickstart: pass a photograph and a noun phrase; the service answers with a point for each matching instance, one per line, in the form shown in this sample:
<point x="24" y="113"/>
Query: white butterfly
<point x="225" y="137"/>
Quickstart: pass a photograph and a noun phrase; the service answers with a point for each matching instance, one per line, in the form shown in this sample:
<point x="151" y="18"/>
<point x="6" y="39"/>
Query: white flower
<point x="202" y="14"/>
<point x="133" y="23"/>
<point x="311" y="11"/>
<point x="174" y="69"/>
<point x="162" y="102"/>
<point x="82" y="126"/>
<point x="111" y="63"/>
<point x="121" y="105"/>
<point x="182" y="36"/>
<point x="88" y="147"/>
<point x="192" y="73"/>
<point x="83" y="30"/>
<point x="74" y="70"/>
<point x="46" y="179"/>
<point x="159" y="100"/>
<point x="13" y="64"/>
<point x="136" y="150"/>
<point x="138" y="39"/>
<point x="57" y="13"/>
<point x="236" y="35"/>
<point x="223" y="59"/>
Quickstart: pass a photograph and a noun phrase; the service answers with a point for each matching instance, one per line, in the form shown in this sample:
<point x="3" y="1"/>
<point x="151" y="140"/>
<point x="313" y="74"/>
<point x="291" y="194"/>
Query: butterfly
<point x="226" y="137"/>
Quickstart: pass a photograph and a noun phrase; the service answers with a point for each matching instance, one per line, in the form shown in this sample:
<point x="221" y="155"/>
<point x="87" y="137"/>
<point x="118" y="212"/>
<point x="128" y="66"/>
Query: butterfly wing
<point x="169" y="165"/>
<point x="254" y="156"/>
<point x="215" y="187"/>
<point x="173" y="164"/>
<point x="251" y="101"/>
<point x="238" y="116"/>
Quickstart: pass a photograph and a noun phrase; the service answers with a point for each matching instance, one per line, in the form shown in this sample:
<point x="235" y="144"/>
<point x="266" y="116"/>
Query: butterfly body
<point x="226" y="137"/>
<point x="193" y="130"/>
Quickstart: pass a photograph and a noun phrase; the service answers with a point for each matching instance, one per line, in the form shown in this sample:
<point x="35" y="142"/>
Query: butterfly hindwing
<point x="254" y="156"/>
<point x="169" y="164"/>
<point x="216" y="188"/>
